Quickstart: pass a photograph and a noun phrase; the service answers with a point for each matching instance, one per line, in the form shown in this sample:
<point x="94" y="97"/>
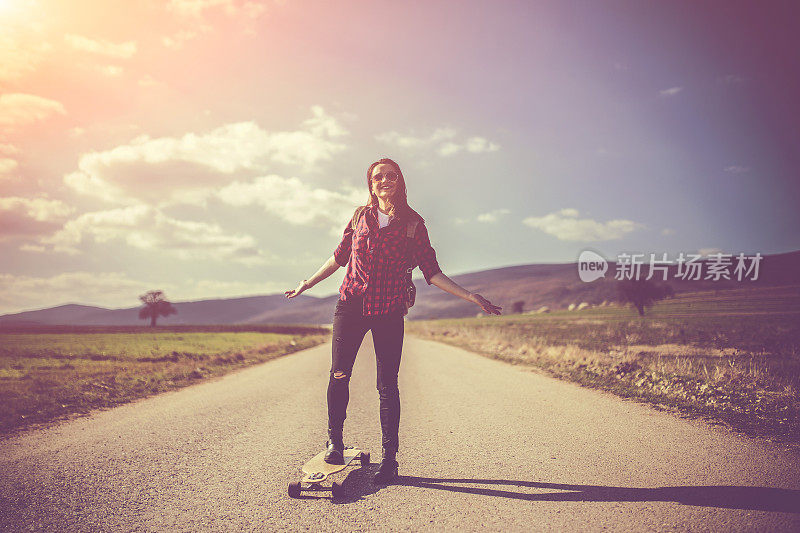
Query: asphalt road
<point x="484" y="446"/>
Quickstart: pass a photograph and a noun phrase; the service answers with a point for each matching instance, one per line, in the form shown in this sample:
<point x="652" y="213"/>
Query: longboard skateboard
<point x="316" y="471"/>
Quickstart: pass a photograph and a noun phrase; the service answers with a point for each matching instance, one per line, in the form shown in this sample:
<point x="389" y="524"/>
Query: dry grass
<point x="47" y="376"/>
<point x="743" y="368"/>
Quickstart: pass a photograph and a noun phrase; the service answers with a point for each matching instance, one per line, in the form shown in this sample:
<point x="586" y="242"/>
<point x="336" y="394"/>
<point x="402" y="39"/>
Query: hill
<point x="558" y="285"/>
<point x="553" y="285"/>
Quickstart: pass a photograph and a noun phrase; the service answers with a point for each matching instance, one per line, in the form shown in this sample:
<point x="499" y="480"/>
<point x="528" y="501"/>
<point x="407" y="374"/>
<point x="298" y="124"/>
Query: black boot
<point x="387" y="472"/>
<point x="335" y="455"/>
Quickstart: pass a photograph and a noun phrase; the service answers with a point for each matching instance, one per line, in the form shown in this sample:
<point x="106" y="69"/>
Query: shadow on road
<point x="729" y="497"/>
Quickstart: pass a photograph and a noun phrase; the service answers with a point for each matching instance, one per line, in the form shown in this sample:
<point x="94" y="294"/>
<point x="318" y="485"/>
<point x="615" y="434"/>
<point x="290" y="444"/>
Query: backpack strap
<point x="410" y="229"/>
<point x="356" y="216"/>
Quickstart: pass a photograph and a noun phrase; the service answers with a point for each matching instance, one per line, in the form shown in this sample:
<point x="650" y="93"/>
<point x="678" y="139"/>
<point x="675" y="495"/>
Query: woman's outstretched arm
<point x="324" y="271"/>
<point x="426" y="257"/>
<point x="448" y="285"/>
<point x="339" y="258"/>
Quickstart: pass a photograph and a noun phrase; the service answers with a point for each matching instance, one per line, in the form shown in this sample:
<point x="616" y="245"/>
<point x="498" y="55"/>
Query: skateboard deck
<point x="316" y="471"/>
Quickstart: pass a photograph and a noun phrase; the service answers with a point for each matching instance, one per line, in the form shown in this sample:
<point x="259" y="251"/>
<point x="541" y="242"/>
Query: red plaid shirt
<point x="376" y="260"/>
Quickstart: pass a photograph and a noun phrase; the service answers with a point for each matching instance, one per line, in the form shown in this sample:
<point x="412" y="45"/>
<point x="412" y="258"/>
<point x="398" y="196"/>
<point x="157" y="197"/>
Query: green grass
<point x="46" y="376"/>
<point x="127" y="346"/>
<point x="732" y="355"/>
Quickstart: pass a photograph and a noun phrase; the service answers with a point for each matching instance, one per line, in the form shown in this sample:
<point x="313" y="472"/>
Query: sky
<point x="217" y="148"/>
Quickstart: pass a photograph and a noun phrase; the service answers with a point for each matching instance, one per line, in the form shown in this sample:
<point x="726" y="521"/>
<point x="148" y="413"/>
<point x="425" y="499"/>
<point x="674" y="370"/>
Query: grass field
<point x="52" y="372"/>
<point x="731" y="355"/>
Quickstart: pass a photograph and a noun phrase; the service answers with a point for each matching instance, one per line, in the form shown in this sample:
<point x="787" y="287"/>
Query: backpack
<point x="411" y="290"/>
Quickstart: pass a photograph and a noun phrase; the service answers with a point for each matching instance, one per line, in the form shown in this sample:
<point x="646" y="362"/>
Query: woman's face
<point x="380" y="182"/>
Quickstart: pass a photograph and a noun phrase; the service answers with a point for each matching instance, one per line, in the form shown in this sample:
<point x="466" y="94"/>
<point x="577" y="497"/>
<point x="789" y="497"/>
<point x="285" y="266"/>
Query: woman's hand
<point x="300" y="288"/>
<point x="486" y="305"/>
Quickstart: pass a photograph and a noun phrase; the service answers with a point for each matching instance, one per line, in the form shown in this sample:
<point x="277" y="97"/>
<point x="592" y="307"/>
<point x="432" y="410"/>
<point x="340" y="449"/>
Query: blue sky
<point x="216" y="148"/>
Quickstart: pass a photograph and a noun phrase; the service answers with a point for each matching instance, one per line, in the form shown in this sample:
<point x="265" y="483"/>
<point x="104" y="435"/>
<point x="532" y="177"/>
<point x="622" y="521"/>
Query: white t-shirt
<point x="383" y="220"/>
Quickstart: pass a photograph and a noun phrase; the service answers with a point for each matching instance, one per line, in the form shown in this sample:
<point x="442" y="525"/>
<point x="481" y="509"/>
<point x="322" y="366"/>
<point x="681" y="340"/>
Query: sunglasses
<point x="389" y="176"/>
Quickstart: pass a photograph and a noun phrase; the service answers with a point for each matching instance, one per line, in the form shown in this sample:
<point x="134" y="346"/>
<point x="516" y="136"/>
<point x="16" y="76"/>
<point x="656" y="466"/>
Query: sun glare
<point x="15" y="11"/>
<point x="6" y="5"/>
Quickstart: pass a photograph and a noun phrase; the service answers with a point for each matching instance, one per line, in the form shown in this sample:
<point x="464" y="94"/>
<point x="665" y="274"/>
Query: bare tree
<point x="154" y="306"/>
<point x="642" y="293"/>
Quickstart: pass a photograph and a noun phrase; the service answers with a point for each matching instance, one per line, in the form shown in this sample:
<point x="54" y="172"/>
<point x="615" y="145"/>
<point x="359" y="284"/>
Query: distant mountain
<point x="271" y="309"/>
<point x="558" y="285"/>
<point x="62" y="314"/>
<point x="552" y="285"/>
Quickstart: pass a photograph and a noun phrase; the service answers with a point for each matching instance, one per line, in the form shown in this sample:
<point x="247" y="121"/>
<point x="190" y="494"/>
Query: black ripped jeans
<point x="349" y="328"/>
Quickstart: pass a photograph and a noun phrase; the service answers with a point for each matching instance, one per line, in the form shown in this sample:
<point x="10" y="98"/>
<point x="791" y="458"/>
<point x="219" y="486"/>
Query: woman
<point x="372" y="297"/>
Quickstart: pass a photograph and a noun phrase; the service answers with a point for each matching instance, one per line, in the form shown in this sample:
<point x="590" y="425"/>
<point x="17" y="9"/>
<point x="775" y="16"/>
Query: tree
<point x="516" y="307"/>
<point x="154" y="306"/>
<point x="642" y="293"/>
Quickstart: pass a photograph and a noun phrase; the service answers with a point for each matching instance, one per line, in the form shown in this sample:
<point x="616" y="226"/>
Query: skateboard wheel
<point x="364" y="458"/>
<point x="337" y="490"/>
<point x="294" y="490"/>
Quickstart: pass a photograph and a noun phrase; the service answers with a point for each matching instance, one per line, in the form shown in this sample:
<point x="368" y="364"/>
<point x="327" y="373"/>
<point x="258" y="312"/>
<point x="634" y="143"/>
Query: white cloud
<point x="569" y="212"/>
<point x="148" y="81"/>
<point x="294" y="201"/>
<point x="147" y="228"/>
<point x="449" y="148"/>
<point x="493" y="216"/>
<point x="412" y="141"/>
<point x="737" y="169"/>
<point x="442" y="140"/>
<point x="28" y="217"/>
<point x="180" y="38"/>
<point x="7" y="166"/>
<point x="89" y="185"/>
<point x="32" y="248"/>
<point x="18" y="109"/>
<point x="566" y="226"/>
<point x="39" y="209"/>
<point x="672" y="91"/>
<point x="667" y="232"/>
<point x="253" y="10"/>
<point x="177" y="169"/>
<point x="477" y="145"/>
<point x="9" y="149"/>
<point x="194" y="12"/>
<point x="709" y="251"/>
<point x="112" y="71"/>
<point x="21" y="54"/>
<point x="323" y="125"/>
<point x="124" y="50"/>
<point x="89" y="288"/>
<point x="196" y="8"/>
